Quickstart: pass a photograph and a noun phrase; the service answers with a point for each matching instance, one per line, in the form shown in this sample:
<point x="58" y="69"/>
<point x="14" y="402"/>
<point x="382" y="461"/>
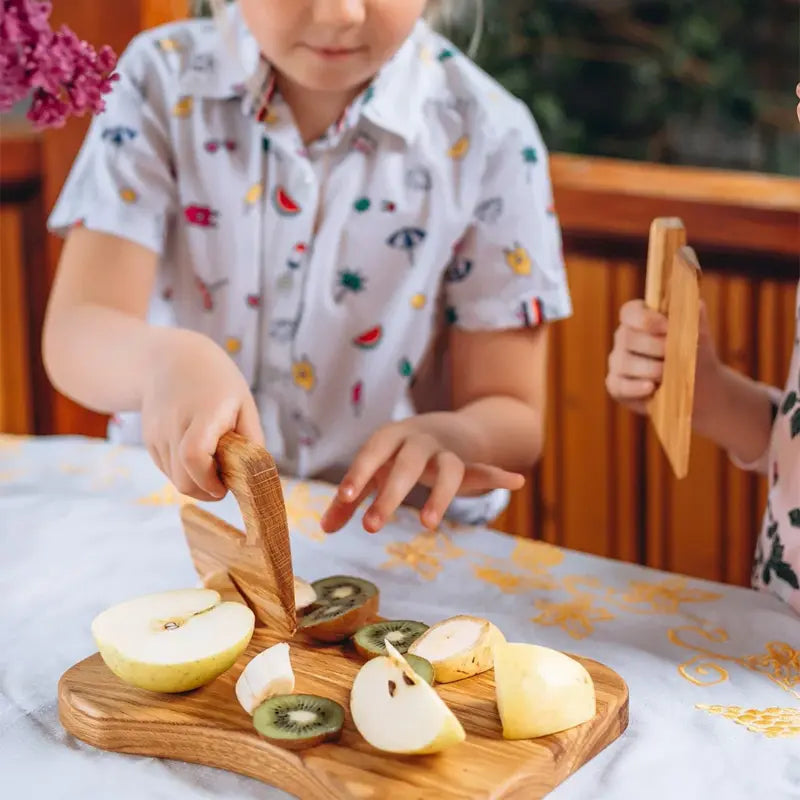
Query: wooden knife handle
<point x="250" y="473"/>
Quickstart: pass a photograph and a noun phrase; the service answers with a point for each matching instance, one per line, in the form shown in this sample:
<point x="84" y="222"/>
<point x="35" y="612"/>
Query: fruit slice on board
<point x="298" y="721"/>
<point x="369" y="640"/>
<point x="266" y="675"/>
<point x="459" y="647"/>
<point x="398" y="712"/>
<point x="172" y="641"/>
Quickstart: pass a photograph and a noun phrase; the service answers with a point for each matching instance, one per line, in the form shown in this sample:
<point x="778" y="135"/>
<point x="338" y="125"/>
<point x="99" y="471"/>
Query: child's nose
<point x="339" y="12"/>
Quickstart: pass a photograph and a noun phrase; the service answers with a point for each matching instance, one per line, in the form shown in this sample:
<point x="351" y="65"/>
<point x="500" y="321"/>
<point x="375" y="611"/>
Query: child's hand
<point x="403" y="454"/>
<point x="636" y="363"/>
<point x="195" y="394"/>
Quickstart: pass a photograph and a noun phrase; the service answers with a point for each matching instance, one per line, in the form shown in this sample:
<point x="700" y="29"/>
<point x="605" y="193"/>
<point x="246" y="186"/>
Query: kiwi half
<point x="369" y="640"/>
<point x="298" y="721"/>
<point x="342" y="587"/>
<point x="339" y="620"/>
<point x="422" y="667"/>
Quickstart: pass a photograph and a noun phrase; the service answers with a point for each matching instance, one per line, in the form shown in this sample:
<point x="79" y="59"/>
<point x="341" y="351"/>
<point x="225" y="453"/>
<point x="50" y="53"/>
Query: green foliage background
<point x="701" y="82"/>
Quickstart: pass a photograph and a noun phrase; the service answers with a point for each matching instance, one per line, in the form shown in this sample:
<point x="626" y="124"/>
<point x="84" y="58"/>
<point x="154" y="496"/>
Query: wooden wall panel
<point x="586" y="457"/>
<point x="16" y="408"/>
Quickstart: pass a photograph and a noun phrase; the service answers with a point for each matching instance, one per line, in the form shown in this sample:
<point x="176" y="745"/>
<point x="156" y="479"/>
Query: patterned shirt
<point x="777" y="560"/>
<point x="326" y="270"/>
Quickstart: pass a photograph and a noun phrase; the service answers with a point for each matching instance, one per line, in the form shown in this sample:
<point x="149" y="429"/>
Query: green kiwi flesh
<point x="369" y="640"/>
<point x="342" y="587"/>
<point x="298" y="721"/>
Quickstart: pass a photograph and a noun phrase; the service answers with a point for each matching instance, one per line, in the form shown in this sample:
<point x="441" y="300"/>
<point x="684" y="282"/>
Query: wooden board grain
<point x="209" y="727"/>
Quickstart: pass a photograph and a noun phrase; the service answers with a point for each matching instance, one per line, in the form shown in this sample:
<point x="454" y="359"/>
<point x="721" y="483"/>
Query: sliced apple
<point x="396" y="711"/>
<point x="172" y="641"/>
<point x="540" y="691"/>
<point x="266" y="675"/>
<point x="459" y="647"/>
<point x="304" y="594"/>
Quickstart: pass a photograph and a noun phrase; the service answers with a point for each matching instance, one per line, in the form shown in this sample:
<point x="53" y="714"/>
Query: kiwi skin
<point x="288" y="743"/>
<point x="366" y="653"/>
<point x="337" y="629"/>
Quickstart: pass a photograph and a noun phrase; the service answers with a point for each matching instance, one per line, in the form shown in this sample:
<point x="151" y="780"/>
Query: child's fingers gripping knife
<point x="635" y="364"/>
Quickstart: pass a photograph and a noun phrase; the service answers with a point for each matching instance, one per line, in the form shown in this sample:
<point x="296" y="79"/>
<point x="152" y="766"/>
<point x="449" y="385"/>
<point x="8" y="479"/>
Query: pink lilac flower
<point x="63" y="75"/>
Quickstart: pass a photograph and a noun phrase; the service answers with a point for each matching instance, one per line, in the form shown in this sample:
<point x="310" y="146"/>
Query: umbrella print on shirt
<point x="407" y="239"/>
<point x="489" y="211"/>
<point x="118" y="135"/>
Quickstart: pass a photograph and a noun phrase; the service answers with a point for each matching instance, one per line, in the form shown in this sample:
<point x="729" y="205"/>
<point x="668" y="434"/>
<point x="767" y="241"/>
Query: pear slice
<point x="396" y="711"/>
<point x="540" y="691"/>
<point x="172" y="641"/>
<point x="304" y="594"/>
<point x="459" y="647"/>
<point x="266" y="675"/>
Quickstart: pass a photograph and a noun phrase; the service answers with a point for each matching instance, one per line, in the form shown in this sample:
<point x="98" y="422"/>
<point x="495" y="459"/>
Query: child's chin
<point x="332" y="77"/>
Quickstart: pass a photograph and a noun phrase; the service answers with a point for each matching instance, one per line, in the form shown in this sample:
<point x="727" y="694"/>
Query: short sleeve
<point x="122" y="180"/>
<point x="508" y="270"/>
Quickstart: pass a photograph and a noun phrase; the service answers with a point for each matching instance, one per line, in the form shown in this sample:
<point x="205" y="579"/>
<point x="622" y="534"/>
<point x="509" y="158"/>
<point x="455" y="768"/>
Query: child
<point x="758" y="425"/>
<point x="262" y="230"/>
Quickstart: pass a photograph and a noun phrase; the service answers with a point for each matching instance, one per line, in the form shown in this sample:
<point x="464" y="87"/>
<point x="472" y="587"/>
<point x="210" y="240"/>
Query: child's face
<point x="330" y="45"/>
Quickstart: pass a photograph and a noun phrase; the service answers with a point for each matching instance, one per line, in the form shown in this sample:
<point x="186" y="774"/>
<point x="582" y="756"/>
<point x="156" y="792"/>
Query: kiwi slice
<point x="297" y="721"/>
<point x="342" y="587"/>
<point x="400" y="632"/>
<point x="422" y="667"/>
<point x="338" y="620"/>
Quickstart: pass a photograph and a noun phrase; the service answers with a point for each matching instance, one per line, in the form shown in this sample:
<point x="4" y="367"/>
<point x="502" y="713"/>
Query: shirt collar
<point x="394" y="100"/>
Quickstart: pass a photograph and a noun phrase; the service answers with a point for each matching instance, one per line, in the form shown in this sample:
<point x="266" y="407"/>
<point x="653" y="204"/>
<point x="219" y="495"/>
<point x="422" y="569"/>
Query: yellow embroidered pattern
<point x="577" y="616"/>
<point x="166" y="496"/>
<point x="304" y="510"/>
<point x="773" y="722"/>
<point x="424" y="554"/>
<point x="662" y="597"/>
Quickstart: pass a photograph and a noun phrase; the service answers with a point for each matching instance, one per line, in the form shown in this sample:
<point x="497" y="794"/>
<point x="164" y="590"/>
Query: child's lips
<point x="335" y="52"/>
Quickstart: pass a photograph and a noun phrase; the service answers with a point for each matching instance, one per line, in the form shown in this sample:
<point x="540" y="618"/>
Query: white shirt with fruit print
<point x="324" y="271"/>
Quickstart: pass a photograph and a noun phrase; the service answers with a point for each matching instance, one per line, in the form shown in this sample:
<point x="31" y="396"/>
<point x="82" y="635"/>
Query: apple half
<point x="459" y="647"/>
<point x="172" y="641"/>
<point x="396" y="711"/>
<point x="540" y="691"/>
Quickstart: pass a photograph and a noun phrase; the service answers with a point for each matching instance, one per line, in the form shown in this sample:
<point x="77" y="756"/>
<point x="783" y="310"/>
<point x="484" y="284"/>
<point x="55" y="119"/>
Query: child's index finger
<point x="638" y="316"/>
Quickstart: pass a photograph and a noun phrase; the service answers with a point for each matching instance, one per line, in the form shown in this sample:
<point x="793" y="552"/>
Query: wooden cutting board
<point x="208" y="726"/>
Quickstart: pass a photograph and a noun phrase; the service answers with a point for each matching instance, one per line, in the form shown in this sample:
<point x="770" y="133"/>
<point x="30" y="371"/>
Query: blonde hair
<point x="450" y="14"/>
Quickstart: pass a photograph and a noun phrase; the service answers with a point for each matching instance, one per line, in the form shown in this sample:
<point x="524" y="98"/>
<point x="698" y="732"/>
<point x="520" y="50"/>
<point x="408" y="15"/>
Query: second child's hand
<point x="397" y="458"/>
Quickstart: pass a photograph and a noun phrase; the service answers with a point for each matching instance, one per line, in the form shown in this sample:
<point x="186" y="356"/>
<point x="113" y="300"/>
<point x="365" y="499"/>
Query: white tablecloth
<point x="713" y="671"/>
